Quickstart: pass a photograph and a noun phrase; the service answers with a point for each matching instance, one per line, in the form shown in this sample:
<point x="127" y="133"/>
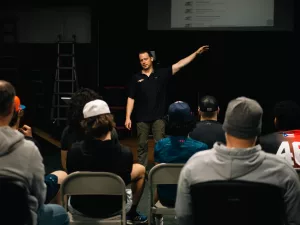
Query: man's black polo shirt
<point x="150" y="94"/>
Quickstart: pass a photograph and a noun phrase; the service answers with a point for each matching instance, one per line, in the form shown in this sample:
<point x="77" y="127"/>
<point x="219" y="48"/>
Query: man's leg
<point x="61" y="175"/>
<point x="143" y="130"/>
<point x="52" y="214"/>
<point x="137" y="186"/>
<point x="158" y="130"/>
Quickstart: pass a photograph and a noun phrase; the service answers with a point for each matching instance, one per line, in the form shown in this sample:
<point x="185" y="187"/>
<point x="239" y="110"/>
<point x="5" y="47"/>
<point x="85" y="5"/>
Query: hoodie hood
<point x="232" y="163"/>
<point x="9" y="138"/>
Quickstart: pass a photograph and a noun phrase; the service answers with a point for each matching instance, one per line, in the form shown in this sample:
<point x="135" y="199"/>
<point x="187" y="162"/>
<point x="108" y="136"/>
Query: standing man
<point x="147" y="93"/>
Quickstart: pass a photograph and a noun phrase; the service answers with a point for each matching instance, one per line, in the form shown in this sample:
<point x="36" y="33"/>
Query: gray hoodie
<point x="252" y="164"/>
<point x="21" y="159"/>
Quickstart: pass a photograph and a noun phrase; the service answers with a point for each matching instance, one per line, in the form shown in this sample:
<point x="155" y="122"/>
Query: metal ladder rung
<point x="65" y="80"/>
<point x="65" y="68"/>
<point x="66" y="42"/>
<point x="63" y="93"/>
<point x="66" y="55"/>
<point x="61" y="118"/>
<point x="61" y="106"/>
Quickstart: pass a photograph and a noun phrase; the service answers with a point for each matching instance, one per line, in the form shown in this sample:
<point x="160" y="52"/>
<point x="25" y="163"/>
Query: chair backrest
<point x="237" y="202"/>
<point x="94" y="183"/>
<point x="14" y="207"/>
<point x="164" y="173"/>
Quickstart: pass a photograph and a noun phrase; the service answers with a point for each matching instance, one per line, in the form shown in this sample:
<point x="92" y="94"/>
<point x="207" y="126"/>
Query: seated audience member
<point x="73" y="131"/>
<point x="208" y="130"/>
<point x="29" y="166"/>
<point x="286" y="140"/>
<point x="177" y="148"/>
<point x="99" y="153"/>
<point x="53" y="180"/>
<point x="242" y="125"/>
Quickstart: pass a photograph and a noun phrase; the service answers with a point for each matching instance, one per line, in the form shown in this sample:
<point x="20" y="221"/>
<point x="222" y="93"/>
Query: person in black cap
<point x="178" y="147"/>
<point x="208" y="130"/>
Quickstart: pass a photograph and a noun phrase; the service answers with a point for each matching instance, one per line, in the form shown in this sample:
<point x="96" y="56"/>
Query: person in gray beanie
<point x="243" y="118"/>
<point x="240" y="159"/>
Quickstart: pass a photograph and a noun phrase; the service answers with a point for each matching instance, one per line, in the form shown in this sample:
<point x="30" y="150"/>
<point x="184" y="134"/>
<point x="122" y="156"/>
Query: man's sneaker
<point x="136" y="218"/>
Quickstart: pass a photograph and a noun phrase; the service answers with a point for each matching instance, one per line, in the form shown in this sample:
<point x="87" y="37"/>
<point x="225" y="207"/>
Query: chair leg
<point x="159" y="219"/>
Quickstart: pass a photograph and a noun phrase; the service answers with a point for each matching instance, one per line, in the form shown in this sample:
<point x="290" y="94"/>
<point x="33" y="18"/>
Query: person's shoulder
<point x="268" y="137"/>
<point x="76" y="147"/>
<point x="202" y="155"/>
<point x="196" y="143"/>
<point x="162" y="142"/>
<point x="283" y="165"/>
<point x="125" y="150"/>
<point x="65" y="132"/>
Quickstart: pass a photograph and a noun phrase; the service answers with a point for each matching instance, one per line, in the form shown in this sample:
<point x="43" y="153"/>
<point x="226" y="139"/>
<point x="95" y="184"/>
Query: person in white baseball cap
<point x="98" y="153"/>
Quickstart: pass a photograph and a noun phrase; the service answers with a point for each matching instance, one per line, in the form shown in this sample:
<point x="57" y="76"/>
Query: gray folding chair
<point x="164" y="173"/>
<point x="94" y="183"/>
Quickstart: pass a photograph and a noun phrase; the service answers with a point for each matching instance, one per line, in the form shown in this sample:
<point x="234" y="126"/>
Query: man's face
<point x="145" y="60"/>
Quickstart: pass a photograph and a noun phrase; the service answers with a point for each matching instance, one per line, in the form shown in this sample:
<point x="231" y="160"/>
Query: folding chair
<point x="94" y="183"/>
<point x="164" y="173"/>
<point x="14" y="207"/>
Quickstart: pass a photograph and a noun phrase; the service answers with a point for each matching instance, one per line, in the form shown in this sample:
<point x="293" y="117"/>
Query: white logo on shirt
<point x="289" y="154"/>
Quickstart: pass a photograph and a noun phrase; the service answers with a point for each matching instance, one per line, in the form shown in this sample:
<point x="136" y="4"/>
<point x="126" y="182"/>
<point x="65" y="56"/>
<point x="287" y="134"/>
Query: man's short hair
<point x="97" y="126"/>
<point x="7" y="95"/>
<point x="287" y="115"/>
<point x="145" y="51"/>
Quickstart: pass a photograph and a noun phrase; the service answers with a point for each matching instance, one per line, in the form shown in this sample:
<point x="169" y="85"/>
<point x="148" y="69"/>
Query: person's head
<point x="7" y="95"/>
<point x="208" y="108"/>
<point x="18" y="113"/>
<point x="287" y="115"/>
<point x="98" y="122"/>
<point x="146" y="59"/>
<point x="180" y="119"/>
<point x="76" y="104"/>
<point x="243" y="121"/>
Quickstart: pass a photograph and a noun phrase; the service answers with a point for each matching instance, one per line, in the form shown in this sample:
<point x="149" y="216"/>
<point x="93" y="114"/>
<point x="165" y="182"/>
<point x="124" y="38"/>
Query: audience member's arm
<point x="292" y="199"/>
<point x="63" y="159"/>
<point x="38" y="183"/>
<point x="183" y="200"/>
<point x="64" y="149"/>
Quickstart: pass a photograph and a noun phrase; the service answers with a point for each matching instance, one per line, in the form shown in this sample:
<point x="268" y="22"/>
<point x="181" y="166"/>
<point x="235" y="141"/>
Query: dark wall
<point x="260" y="65"/>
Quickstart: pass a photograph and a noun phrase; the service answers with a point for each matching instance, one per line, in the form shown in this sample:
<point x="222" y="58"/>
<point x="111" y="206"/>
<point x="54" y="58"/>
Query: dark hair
<point x="287" y="115"/>
<point x="180" y="128"/>
<point x="97" y="126"/>
<point x="76" y="104"/>
<point x="7" y="95"/>
<point x="146" y="51"/>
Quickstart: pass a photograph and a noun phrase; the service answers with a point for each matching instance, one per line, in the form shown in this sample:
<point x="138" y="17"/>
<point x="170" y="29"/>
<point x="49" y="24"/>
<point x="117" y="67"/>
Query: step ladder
<point x="65" y="83"/>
